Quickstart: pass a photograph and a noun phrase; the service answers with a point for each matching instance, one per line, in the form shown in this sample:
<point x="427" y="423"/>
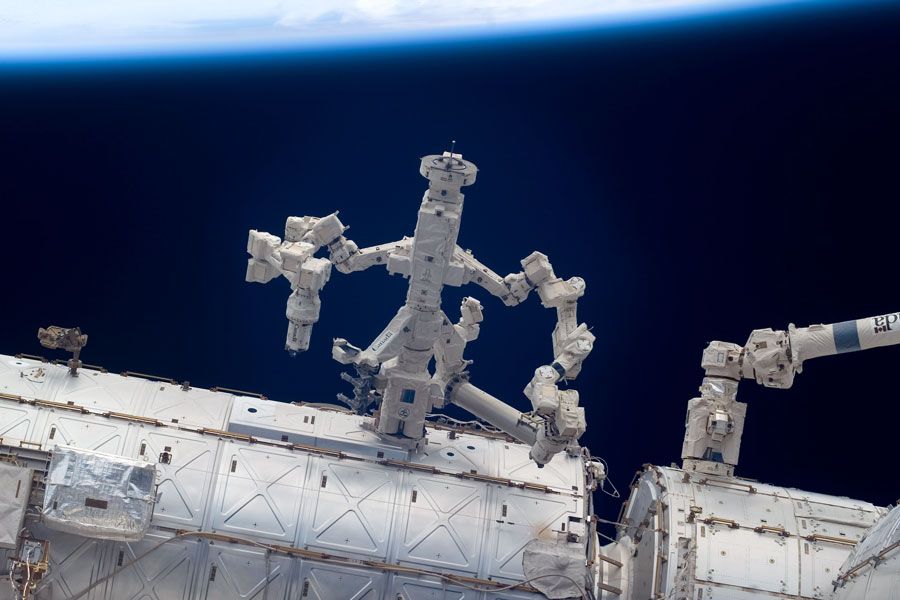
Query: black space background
<point x="706" y="178"/>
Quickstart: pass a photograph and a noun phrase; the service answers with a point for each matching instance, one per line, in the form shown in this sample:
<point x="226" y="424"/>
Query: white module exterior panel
<point x="464" y="454"/>
<point x="819" y="566"/>
<point x="184" y="484"/>
<point x="726" y="593"/>
<point x="101" y="391"/>
<point x="410" y="588"/>
<point x="274" y="420"/>
<point x="18" y="421"/>
<point x="743" y="558"/>
<point x="523" y="516"/>
<point x="429" y="511"/>
<point x="872" y="571"/>
<point x="563" y="473"/>
<point x="735" y="503"/>
<point x="24" y="377"/>
<point x="841" y="518"/>
<point x="167" y="572"/>
<point x="351" y="508"/>
<point x="509" y="595"/>
<point x="338" y="430"/>
<point x="445" y="525"/>
<point x="240" y="573"/>
<point x="333" y="429"/>
<point x="342" y="431"/>
<point x="87" y="432"/>
<point x="328" y="582"/>
<point x="75" y="563"/>
<point x="259" y="491"/>
<point x="195" y="406"/>
<point x="729" y="538"/>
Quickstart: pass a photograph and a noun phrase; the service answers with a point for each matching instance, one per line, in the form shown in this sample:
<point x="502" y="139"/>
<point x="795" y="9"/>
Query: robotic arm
<point x="715" y="420"/>
<point x="556" y="421"/>
<point x="394" y="370"/>
<point x="294" y="259"/>
<point x="537" y="273"/>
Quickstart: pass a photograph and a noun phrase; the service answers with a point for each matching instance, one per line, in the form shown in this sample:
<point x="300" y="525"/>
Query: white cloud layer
<point x="36" y="27"/>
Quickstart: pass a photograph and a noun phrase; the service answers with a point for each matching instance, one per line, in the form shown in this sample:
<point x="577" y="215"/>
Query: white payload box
<point x="99" y="495"/>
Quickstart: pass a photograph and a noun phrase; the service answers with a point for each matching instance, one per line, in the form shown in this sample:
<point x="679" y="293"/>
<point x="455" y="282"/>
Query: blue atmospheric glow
<point x="32" y="37"/>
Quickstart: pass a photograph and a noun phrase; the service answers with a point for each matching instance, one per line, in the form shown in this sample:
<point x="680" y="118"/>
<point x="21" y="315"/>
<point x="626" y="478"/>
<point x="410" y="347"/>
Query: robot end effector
<point x="293" y="258"/>
<point x="560" y="429"/>
<point x="561" y="419"/>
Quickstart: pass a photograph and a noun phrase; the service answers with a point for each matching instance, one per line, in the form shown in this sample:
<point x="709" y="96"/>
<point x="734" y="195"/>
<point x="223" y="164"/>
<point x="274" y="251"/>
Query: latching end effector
<point x="303" y="304"/>
<point x="562" y="420"/>
<point x="560" y="429"/>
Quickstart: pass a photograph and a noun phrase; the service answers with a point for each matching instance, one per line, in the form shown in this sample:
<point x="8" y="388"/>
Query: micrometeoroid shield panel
<point x="98" y="495"/>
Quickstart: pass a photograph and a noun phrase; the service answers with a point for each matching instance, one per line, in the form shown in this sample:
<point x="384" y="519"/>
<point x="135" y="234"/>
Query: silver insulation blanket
<point x="98" y="495"/>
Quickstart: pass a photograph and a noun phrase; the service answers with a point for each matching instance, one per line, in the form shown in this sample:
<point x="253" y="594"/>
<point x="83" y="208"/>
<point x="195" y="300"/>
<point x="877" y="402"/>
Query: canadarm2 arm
<point x="715" y="420"/>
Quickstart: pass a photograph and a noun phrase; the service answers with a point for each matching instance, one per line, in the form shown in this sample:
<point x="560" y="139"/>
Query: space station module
<point x="130" y="486"/>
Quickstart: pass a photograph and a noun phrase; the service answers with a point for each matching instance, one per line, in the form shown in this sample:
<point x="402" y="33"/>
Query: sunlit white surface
<point x="66" y="28"/>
